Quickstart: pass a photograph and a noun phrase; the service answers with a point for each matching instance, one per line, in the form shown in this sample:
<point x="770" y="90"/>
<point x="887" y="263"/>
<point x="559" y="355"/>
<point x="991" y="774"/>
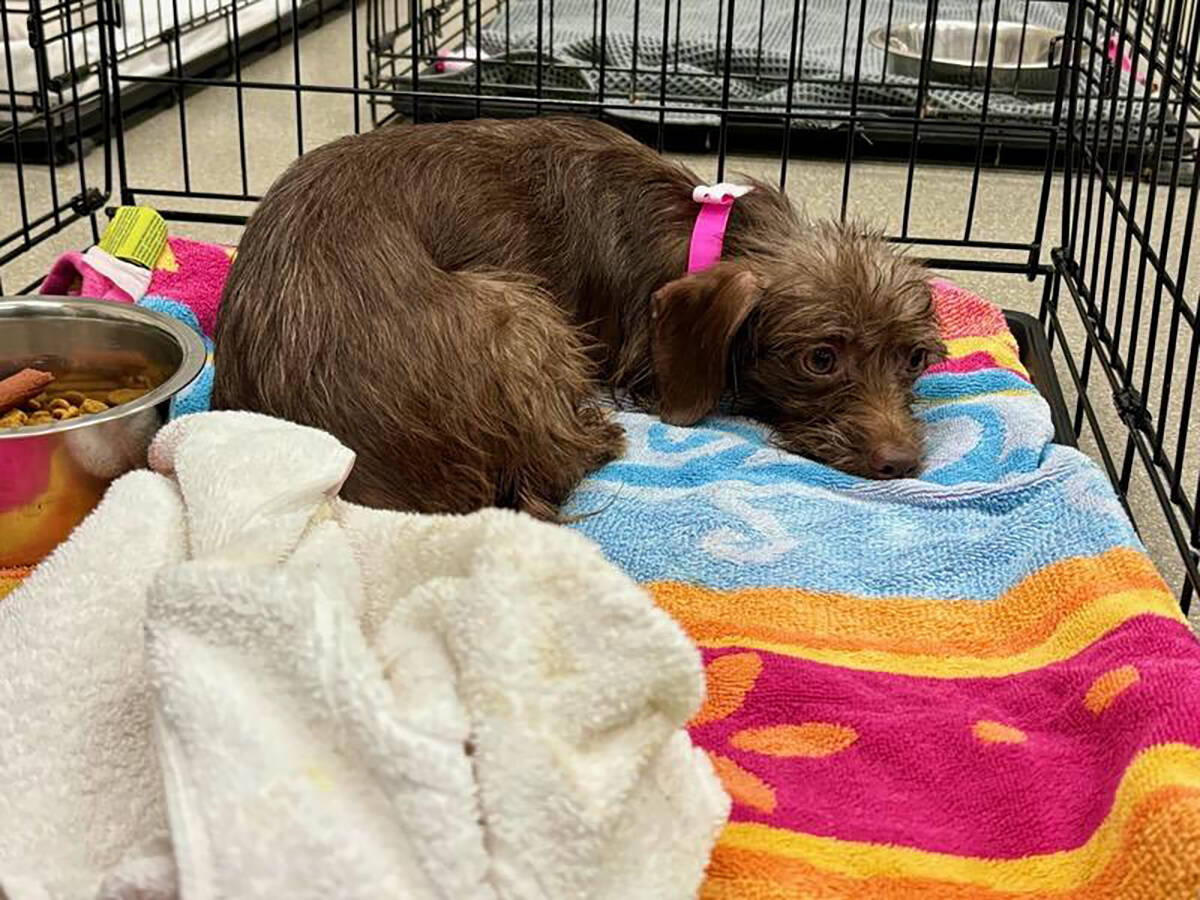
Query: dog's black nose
<point x="891" y="461"/>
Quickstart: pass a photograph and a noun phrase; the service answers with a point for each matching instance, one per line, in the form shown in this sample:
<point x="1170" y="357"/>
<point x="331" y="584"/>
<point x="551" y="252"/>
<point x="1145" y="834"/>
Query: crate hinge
<point x="88" y="202"/>
<point x="33" y="28"/>
<point x="1132" y="408"/>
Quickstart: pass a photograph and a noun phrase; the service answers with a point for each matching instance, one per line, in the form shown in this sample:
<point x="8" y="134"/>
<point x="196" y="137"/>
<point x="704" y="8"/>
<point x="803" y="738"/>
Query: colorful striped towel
<point x="972" y="685"/>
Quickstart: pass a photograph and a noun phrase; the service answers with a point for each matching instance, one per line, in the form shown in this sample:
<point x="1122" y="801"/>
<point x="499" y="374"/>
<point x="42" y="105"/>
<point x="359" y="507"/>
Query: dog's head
<point x="823" y="338"/>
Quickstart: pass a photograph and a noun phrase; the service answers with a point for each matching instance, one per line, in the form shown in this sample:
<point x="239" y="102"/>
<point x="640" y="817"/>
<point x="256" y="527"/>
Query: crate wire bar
<point x="1105" y="120"/>
<point x="48" y="200"/>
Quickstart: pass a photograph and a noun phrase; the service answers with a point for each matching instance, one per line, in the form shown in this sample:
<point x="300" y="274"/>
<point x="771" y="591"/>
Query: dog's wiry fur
<point x="448" y="300"/>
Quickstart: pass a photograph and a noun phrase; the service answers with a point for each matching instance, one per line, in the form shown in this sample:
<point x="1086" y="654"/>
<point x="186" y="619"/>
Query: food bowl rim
<point x="194" y="354"/>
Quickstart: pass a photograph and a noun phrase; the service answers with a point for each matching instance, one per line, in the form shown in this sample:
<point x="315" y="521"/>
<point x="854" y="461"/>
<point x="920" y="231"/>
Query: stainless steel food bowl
<point x="54" y="475"/>
<point x="1027" y="57"/>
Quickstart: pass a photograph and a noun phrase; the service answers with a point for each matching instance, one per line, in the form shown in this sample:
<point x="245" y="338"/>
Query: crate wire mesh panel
<point x="39" y="202"/>
<point x="48" y="49"/>
<point x="807" y="60"/>
<point x="55" y="52"/>
<point x="1097" y="246"/>
<point x="60" y="64"/>
<point x="1124" y="268"/>
<point x="819" y="63"/>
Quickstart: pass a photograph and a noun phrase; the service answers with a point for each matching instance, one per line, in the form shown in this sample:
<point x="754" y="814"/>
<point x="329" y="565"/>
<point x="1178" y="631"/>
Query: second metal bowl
<point x="1027" y="57"/>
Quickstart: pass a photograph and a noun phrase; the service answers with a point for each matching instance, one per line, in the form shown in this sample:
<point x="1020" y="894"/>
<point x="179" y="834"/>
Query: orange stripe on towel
<point x="11" y="578"/>
<point x="1049" y="616"/>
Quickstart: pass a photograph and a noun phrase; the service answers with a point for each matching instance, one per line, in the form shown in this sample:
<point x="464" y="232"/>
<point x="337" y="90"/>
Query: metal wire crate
<point x="809" y="66"/>
<point x="1122" y="269"/>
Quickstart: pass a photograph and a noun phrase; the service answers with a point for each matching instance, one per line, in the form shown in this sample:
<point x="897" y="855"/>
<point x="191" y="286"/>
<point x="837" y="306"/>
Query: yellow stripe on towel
<point x="1002" y="348"/>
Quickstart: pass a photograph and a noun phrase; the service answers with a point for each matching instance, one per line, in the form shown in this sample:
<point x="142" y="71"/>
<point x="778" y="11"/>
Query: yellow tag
<point x="136" y="234"/>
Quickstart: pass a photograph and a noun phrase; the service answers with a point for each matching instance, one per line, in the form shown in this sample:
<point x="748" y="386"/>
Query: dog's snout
<point x="894" y="461"/>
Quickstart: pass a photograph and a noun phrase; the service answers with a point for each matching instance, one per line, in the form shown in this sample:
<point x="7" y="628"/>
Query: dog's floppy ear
<point x="695" y="319"/>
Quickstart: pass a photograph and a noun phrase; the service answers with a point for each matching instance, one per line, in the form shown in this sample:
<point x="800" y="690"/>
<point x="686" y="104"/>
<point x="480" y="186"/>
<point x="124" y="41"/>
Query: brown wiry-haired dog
<point x="448" y="300"/>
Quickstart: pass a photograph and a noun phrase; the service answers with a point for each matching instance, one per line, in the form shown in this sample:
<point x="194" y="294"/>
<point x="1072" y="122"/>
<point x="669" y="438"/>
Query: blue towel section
<point x="718" y="505"/>
<point x="197" y="397"/>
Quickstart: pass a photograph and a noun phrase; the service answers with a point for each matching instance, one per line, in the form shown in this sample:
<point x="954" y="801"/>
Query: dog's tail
<point x="554" y="515"/>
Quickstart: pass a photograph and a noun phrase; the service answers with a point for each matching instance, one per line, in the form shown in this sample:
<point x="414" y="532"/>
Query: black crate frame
<point x="1107" y="128"/>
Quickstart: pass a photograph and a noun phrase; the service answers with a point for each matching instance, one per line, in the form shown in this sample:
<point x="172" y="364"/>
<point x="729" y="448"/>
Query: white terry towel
<point x="347" y="702"/>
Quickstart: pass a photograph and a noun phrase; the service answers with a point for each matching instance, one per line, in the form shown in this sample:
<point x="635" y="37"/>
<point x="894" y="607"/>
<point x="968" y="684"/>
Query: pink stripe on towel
<point x="195" y="278"/>
<point x="942" y="782"/>
<point x="72" y="276"/>
<point x="974" y="362"/>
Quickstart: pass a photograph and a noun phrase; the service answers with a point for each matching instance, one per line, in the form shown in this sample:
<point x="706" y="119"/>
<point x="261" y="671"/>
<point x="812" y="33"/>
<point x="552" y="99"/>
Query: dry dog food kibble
<point x="124" y="395"/>
<point x="29" y="399"/>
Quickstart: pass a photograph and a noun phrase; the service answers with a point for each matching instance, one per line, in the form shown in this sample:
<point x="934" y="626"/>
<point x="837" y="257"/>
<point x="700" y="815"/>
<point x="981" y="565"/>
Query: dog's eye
<point x="821" y="360"/>
<point x="918" y="360"/>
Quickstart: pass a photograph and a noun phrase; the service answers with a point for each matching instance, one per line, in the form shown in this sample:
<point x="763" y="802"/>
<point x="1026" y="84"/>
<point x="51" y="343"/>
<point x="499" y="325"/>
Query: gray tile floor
<point x="1007" y="208"/>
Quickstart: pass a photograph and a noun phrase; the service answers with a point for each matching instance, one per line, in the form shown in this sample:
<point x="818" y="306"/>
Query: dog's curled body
<point x="450" y="300"/>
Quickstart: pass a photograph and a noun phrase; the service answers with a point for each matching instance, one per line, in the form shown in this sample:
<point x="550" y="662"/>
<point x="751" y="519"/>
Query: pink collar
<point x="708" y="234"/>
